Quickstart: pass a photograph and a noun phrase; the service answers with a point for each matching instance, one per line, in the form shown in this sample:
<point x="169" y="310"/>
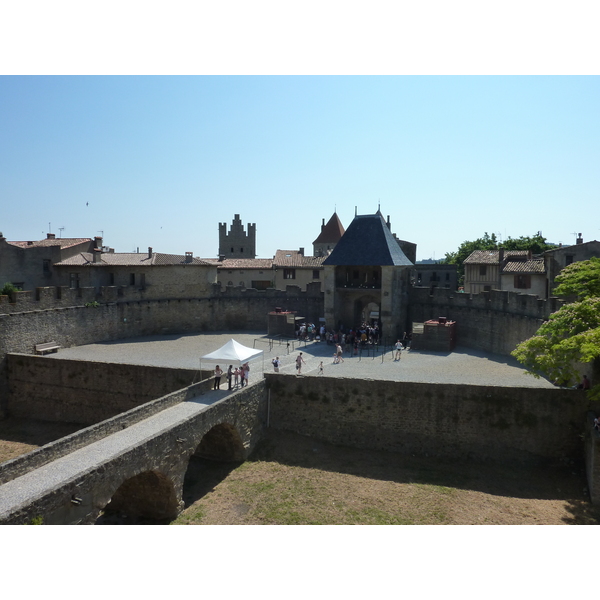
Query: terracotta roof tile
<point x="124" y="259"/>
<point x="491" y="257"/>
<point x="62" y="242"/>
<point x="241" y="263"/>
<point x="525" y="266"/>
<point x="293" y="258"/>
<point x="332" y="232"/>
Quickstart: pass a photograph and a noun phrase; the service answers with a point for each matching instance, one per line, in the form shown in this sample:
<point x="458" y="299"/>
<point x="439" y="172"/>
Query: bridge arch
<point x="223" y="443"/>
<point x="147" y="495"/>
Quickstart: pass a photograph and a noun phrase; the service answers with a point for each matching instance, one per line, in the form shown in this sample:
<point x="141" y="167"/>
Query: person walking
<point x="339" y="353"/>
<point x="398" y="347"/>
<point x="299" y="361"/>
<point x="229" y="376"/>
<point x="218" y="373"/>
<point x="276" y="363"/>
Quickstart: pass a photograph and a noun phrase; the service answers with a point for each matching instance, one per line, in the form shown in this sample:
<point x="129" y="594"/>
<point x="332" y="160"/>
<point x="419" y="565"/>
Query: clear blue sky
<point x="160" y="161"/>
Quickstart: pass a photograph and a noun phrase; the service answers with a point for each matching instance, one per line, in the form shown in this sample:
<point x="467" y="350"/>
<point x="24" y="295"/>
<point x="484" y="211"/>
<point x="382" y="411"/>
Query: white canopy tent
<point x="232" y="352"/>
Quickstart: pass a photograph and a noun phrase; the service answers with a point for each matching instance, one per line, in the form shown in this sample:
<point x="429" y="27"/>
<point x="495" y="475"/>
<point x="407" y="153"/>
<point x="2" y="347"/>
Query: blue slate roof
<point x="367" y="242"/>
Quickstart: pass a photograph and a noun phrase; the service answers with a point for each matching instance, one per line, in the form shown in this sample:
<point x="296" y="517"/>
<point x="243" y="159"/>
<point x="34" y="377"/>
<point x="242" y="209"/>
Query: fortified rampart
<point x="78" y="391"/>
<point x="493" y="321"/>
<point x="46" y="319"/>
<point x="455" y="421"/>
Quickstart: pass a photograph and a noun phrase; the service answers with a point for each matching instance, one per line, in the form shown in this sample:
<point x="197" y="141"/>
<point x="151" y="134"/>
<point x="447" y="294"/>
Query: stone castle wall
<point x="454" y="421"/>
<point x="77" y="391"/>
<point x="75" y="325"/>
<point x="493" y="321"/>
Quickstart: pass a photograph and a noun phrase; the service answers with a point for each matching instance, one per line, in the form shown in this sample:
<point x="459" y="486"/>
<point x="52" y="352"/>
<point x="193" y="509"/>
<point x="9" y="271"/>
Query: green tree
<point x="571" y="336"/>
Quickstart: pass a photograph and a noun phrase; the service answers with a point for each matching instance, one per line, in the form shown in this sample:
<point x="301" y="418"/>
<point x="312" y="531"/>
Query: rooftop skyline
<point x="160" y="161"/>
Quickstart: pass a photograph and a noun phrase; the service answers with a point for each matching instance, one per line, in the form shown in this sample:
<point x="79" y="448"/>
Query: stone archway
<point x="222" y="443"/>
<point x="148" y="495"/>
<point x="218" y="453"/>
<point x="363" y="307"/>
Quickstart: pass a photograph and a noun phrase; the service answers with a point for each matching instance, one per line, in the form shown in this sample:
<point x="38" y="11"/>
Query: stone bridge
<point x="135" y="462"/>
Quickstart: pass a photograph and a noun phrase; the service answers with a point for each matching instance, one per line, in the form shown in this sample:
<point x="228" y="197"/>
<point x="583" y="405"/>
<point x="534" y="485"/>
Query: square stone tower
<point x="237" y="243"/>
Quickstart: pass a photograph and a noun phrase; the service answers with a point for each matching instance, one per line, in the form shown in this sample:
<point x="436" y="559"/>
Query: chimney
<point x="149" y="251"/>
<point x="98" y="241"/>
<point x="323" y="225"/>
<point x="579" y="239"/>
<point x="189" y="257"/>
<point x="52" y="236"/>
<point x="389" y="225"/>
<point x="97" y="255"/>
<point x="301" y="251"/>
<point x="500" y="255"/>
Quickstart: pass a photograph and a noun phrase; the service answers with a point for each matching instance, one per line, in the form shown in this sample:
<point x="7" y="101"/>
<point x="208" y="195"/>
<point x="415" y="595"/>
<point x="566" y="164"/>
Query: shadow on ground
<point x="549" y="481"/>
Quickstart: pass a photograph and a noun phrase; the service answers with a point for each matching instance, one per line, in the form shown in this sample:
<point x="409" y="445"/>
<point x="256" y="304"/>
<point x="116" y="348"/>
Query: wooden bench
<point x="47" y="347"/>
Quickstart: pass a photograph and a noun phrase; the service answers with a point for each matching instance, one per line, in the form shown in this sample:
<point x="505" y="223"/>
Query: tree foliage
<point x="579" y="279"/>
<point x="572" y="334"/>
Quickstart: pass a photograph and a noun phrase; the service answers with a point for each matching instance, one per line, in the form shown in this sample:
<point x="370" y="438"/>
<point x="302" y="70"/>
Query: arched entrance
<point x="147" y="497"/>
<point x="366" y="310"/>
<point x="219" y="452"/>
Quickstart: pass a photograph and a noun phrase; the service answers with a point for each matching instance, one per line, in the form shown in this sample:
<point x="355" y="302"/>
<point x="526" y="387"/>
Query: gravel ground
<point x="463" y="366"/>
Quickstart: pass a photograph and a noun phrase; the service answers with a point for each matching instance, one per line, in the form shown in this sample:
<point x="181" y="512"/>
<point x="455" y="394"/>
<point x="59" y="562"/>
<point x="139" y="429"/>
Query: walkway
<point x="35" y="484"/>
<point x="463" y="366"/>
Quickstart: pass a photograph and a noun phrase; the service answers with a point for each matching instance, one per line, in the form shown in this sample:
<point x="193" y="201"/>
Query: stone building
<point x="153" y="275"/>
<point x="483" y="268"/>
<point x="434" y="275"/>
<point x="254" y="273"/>
<point x="291" y="267"/>
<point x="237" y="243"/>
<point x="30" y="264"/>
<point x="367" y="278"/>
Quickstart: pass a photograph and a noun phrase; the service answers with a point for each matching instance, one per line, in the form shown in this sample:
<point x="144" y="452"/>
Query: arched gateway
<point x="367" y="274"/>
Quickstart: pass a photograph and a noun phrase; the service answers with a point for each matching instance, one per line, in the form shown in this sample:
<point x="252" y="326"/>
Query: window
<point x="111" y="279"/>
<point x="447" y="276"/>
<point x="483" y="269"/>
<point x="316" y="274"/>
<point x="289" y="273"/>
<point x="143" y="281"/>
<point x="568" y="259"/>
<point x="74" y="281"/>
<point x="46" y="266"/>
<point x="241" y="250"/>
<point x="131" y="278"/>
<point x="523" y="282"/>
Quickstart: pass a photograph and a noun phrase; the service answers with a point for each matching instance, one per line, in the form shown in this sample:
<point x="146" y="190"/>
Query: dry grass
<point x="292" y="479"/>
<point x="295" y="480"/>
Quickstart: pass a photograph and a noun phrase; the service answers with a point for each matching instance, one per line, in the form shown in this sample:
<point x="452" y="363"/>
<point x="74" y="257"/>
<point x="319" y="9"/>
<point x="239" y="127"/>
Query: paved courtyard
<point x="463" y="366"/>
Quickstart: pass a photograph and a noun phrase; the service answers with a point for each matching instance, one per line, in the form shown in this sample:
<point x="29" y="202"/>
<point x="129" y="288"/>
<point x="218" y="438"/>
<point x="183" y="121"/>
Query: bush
<point x="8" y="290"/>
